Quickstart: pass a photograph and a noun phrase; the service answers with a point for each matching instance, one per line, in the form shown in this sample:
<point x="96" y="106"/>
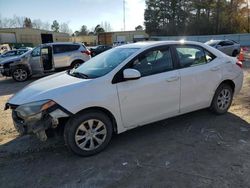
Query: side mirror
<point x="131" y="74"/>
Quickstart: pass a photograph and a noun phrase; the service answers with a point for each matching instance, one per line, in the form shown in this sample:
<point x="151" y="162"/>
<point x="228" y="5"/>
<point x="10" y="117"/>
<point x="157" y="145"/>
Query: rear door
<point x="62" y="54"/>
<point x="200" y="73"/>
<point x="156" y="94"/>
<point x="226" y="47"/>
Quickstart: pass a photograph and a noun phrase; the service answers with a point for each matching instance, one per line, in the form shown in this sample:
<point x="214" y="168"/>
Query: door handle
<point x="215" y="68"/>
<point x="172" y="79"/>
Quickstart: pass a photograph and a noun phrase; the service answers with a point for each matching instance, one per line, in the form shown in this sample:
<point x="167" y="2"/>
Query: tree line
<point x="18" y="22"/>
<point x="196" y="17"/>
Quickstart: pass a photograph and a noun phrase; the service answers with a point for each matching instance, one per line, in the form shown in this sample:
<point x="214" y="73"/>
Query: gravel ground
<point x="198" y="149"/>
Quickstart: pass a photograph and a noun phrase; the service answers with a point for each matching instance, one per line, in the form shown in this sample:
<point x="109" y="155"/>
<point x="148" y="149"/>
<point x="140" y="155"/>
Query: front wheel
<point x="88" y="133"/>
<point x="222" y="99"/>
<point x="76" y="64"/>
<point x="20" y="74"/>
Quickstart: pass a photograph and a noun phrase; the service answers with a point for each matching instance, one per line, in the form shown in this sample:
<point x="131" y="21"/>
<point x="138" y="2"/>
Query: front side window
<point x="153" y="62"/>
<point x="190" y="56"/>
<point x="103" y="64"/>
<point x="36" y="52"/>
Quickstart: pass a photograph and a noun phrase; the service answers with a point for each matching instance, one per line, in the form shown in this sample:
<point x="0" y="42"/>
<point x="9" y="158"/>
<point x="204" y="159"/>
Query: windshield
<point x="102" y="64"/>
<point x="212" y="42"/>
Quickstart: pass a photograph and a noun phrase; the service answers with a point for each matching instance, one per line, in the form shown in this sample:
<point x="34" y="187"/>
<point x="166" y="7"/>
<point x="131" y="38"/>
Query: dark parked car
<point x="99" y="49"/>
<point x="12" y="53"/>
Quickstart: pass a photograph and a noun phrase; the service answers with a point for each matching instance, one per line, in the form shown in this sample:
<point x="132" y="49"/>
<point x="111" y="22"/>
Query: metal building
<point x="30" y="36"/>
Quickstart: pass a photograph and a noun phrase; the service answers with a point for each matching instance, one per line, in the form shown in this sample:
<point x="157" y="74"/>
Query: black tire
<point x="235" y="53"/>
<point x="216" y="105"/>
<point x="72" y="128"/>
<point x="20" y="74"/>
<point x="76" y="63"/>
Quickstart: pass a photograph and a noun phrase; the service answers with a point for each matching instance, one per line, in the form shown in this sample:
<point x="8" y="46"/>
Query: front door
<point x="35" y="61"/>
<point x="200" y="72"/>
<point x="156" y="94"/>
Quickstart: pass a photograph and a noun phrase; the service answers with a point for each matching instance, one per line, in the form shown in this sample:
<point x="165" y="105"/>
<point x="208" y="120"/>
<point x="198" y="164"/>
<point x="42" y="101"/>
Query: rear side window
<point x="226" y="43"/>
<point x="62" y="48"/>
<point x="190" y="56"/>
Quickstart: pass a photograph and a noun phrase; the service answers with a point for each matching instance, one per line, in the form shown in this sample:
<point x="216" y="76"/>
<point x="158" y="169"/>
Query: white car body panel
<point x="152" y="96"/>
<point x="138" y="102"/>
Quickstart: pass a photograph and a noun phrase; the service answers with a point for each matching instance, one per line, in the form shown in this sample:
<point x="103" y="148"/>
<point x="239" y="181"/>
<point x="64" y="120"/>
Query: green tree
<point x="83" y="30"/>
<point x="55" y="26"/>
<point x="138" y="28"/>
<point x="196" y="17"/>
<point x="98" y="29"/>
<point x="27" y="23"/>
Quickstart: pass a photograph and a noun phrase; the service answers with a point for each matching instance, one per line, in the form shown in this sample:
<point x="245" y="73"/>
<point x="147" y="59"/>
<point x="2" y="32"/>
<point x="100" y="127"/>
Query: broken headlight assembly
<point x="33" y="111"/>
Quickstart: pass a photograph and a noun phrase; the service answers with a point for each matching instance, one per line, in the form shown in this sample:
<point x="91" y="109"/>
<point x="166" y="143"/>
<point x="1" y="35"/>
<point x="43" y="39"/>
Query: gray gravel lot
<point x="198" y="149"/>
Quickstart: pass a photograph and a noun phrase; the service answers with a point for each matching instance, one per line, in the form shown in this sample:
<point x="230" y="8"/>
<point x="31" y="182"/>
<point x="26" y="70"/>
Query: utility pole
<point x="248" y="18"/>
<point x="124" y="15"/>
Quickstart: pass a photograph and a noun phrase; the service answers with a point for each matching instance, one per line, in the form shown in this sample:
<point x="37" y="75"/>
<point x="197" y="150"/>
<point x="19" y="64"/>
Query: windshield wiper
<point x="78" y="74"/>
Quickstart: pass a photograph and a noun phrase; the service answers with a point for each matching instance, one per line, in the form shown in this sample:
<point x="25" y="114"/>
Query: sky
<point x="78" y="12"/>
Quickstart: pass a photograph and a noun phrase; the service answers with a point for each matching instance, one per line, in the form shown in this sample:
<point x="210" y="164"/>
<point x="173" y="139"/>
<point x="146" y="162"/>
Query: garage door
<point x="7" y="38"/>
<point x="121" y="38"/>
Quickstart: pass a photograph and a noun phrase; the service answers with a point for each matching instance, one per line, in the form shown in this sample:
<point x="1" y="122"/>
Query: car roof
<point x="147" y="44"/>
<point x="53" y="43"/>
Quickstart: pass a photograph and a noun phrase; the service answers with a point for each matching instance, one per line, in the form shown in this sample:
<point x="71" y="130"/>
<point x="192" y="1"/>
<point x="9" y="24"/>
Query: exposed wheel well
<point x="230" y="83"/>
<point x="12" y="68"/>
<point x="235" y="52"/>
<point x="77" y="61"/>
<point x="106" y="112"/>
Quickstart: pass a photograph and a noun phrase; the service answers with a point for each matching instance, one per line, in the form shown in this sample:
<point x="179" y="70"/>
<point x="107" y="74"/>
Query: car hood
<point x="51" y="87"/>
<point x="9" y="59"/>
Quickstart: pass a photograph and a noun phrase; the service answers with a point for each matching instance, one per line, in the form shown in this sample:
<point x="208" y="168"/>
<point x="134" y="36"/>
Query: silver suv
<point x="44" y="59"/>
<point x="228" y="47"/>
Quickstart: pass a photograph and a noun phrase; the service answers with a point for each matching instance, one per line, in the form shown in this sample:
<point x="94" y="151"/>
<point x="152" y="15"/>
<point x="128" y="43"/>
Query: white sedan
<point x="126" y="87"/>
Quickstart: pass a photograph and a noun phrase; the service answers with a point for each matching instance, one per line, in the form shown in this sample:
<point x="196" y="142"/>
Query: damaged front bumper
<point x="38" y="123"/>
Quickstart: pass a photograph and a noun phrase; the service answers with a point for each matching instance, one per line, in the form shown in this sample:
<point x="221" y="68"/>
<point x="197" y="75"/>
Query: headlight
<point x="33" y="108"/>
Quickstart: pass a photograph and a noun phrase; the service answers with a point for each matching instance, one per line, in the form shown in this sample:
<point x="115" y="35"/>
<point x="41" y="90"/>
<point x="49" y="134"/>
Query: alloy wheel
<point x="224" y="99"/>
<point x="90" y="134"/>
<point x="20" y="74"/>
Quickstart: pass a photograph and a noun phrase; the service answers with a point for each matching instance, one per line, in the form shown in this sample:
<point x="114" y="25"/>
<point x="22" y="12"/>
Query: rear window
<point x="62" y="48"/>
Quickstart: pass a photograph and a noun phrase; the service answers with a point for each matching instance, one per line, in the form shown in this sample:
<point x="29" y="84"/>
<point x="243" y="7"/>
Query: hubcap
<point x="20" y="74"/>
<point x="224" y="99"/>
<point x="90" y="134"/>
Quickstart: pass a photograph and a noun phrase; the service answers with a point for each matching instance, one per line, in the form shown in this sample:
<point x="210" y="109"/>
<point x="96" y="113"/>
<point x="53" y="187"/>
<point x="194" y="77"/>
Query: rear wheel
<point x="20" y="74"/>
<point x="222" y="99"/>
<point x="88" y="133"/>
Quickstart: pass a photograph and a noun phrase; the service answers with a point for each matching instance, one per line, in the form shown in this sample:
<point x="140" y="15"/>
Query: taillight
<point x="86" y="52"/>
<point x="239" y="63"/>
